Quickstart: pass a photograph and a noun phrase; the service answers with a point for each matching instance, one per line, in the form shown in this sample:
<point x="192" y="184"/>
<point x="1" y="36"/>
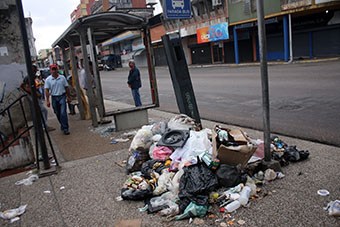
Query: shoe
<point x="66" y="132"/>
<point x="49" y="129"/>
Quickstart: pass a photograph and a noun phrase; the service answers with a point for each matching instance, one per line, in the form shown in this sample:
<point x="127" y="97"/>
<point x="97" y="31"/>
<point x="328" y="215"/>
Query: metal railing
<point x="19" y="132"/>
<point x="5" y="144"/>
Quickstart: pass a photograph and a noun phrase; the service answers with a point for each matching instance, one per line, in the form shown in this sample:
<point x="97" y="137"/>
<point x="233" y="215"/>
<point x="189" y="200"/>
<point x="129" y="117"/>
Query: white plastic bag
<point x="164" y="181"/>
<point x="143" y="139"/>
<point x="28" y="181"/>
<point x="197" y="144"/>
<point x="12" y="213"/>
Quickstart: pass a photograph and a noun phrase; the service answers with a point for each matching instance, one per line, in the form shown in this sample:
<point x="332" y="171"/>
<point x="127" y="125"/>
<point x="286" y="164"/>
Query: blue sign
<point x="177" y="9"/>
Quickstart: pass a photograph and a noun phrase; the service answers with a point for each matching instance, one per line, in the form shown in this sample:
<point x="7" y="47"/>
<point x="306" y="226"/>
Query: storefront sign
<point x="177" y="9"/>
<point x="213" y="33"/>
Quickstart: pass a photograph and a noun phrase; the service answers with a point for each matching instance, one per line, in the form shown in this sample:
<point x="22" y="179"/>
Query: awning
<point x="124" y="36"/>
<point x="104" y="26"/>
<point x="138" y="52"/>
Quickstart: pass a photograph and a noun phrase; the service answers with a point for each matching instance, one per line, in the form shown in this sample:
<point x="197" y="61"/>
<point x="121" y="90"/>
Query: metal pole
<point x="66" y="69"/>
<point x="99" y="92"/>
<point x="151" y="67"/>
<point x="76" y="80"/>
<point x="36" y="113"/>
<point x="89" y="91"/>
<point x="264" y="79"/>
<point x="291" y="58"/>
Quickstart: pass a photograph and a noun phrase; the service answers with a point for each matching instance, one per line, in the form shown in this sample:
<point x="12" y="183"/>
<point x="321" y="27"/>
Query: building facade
<point x="314" y="26"/>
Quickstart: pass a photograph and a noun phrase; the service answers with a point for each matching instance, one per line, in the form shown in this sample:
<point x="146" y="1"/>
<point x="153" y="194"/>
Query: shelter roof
<point x="104" y="26"/>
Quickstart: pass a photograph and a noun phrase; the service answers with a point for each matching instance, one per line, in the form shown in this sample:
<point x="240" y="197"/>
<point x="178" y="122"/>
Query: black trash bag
<point x="195" y="185"/>
<point x="136" y="159"/>
<point x="292" y="154"/>
<point x="135" y="194"/>
<point x="230" y="176"/>
<point x="280" y="158"/>
<point x="150" y="166"/>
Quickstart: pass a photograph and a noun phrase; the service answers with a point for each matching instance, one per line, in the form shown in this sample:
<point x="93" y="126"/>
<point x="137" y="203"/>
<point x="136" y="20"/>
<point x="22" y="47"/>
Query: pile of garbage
<point x="181" y="171"/>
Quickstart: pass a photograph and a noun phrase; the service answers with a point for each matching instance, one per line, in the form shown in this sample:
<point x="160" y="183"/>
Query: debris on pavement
<point x="28" y="181"/>
<point x="323" y="192"/>
<point x="12" y="214"/>
<point x="183" y="172"/>
<point x="333" y="208"/>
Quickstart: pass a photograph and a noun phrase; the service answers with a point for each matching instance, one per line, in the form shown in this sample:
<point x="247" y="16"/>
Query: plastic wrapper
<point x="161" y="153"/>
<point x="193" y="210"/>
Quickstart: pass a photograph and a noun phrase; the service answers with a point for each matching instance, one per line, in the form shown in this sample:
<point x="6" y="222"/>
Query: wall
<point x="12" y="64"/>
<point x="12" y="71"/>
<point x="240" y="10"/>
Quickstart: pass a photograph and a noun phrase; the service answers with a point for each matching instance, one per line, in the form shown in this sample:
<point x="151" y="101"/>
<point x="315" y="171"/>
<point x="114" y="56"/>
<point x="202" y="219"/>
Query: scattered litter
<point x="113" y="141"/>
<point x="190" y="220"/>
<point x="28" y="181"/>
<point x="104" y="131"/>
<point x="198" y="221"/>
<point x="130" y="134"/>
<point x="241" y="222"/>
<point x="62" y="188"/>
<point x="53" y="163"/>
<point x="323" y="192"/>
<point x="279" y="175"/>
<point x="333" y="208"/>
<point x="189" y="176"/>
<point x="14" y="219"/>
<point x="12" y="213"/>
<point x="119" y="198"/>
<point x="121" y="140"/>
<point x="143" y="209"/>
<point x="270" y="175"/>
<point x="47" y="192"/>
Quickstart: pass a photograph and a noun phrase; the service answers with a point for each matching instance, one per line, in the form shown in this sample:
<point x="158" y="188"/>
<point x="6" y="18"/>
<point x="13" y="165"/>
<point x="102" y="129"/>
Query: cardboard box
<point x="233" y="155"/>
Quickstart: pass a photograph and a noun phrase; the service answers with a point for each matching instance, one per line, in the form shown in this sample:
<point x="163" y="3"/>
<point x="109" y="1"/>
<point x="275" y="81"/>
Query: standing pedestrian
<point x="134" y="82"/>
<point x="56" y="86"/>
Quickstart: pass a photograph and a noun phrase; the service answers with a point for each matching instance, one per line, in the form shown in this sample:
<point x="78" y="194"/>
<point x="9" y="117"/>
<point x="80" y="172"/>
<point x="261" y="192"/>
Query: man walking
<point x="56" y="86"/>
<point x="134" y="82"/>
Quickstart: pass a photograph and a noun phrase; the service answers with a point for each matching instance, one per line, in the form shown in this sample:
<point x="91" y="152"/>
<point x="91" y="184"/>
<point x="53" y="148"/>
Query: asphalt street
<point x="304" y="97"/>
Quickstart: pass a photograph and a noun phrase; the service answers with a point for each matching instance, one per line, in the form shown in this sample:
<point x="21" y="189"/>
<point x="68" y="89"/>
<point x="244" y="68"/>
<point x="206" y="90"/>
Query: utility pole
<point x="36" y="113"/>
<point x="268" y="163"/>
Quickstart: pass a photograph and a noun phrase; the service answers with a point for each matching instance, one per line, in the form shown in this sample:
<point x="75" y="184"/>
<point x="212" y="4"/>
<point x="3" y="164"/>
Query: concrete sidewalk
<point x="92" y="174"/>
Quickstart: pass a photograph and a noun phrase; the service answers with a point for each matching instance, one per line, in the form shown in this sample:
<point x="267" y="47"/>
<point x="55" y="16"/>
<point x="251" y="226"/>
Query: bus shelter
<point x="97" y="28"/>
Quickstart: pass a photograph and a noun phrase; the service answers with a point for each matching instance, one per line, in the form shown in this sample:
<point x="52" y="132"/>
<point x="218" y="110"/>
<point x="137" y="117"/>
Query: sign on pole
<point x="177" y="9"/>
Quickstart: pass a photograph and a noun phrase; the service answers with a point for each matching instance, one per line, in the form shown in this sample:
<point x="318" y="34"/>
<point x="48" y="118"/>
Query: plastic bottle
<point x="232" y="206"/>
<point x="244" y="195"/>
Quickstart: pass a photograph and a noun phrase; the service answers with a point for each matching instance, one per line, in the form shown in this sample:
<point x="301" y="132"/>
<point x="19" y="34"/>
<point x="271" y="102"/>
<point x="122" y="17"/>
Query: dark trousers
<point x="136" y="97"/>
